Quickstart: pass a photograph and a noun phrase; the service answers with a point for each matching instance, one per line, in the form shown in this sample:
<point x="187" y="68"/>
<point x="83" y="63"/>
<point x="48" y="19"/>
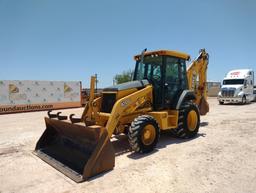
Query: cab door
<point x="175" y="80"/>
<point x="154" y="75"/>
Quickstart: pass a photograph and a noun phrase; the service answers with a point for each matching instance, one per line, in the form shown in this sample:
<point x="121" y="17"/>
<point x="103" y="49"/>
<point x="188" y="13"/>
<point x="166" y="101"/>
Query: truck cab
<point x="237" y="87"/>
<point x="254" y="93"/>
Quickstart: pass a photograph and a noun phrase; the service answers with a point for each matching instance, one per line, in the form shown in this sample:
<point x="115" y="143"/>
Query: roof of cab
<point x="165" y="53"/>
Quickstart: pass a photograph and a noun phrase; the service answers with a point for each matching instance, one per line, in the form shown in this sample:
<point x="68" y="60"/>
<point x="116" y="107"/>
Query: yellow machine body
<point x="81" y="147"/>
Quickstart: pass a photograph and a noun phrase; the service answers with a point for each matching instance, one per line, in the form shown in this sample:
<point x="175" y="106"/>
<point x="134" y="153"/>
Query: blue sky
<point x="71" y="40"/>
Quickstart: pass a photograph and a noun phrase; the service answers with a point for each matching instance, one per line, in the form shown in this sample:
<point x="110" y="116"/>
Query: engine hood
<point x="128" y="85"/>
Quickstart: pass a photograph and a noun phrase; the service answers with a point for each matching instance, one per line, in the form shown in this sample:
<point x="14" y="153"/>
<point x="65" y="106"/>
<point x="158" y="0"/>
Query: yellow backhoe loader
<point x="164" y="95"/>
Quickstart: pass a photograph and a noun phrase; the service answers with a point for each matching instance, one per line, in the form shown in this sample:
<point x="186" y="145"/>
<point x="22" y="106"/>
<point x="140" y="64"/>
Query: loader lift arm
<point x="197" y="79"/>
<point x="127" y="104"/>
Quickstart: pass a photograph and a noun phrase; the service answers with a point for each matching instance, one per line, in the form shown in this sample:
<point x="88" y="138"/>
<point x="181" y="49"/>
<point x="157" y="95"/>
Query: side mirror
<point x="245" y="84"/>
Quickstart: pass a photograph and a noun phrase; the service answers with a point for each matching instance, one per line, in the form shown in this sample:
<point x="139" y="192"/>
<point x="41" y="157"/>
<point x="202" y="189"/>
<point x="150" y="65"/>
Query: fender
<point x="186" y="95"/>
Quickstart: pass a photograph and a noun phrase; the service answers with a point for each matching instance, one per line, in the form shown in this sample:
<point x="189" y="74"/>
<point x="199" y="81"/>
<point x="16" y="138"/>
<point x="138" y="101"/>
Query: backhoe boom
<point x="197" y="80"/>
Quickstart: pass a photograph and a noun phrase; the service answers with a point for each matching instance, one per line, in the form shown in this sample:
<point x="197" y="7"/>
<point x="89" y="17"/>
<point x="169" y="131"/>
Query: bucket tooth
<point x="74" y="119"/>
<point x="51" y="115"/>
<point x="61" y="117"/>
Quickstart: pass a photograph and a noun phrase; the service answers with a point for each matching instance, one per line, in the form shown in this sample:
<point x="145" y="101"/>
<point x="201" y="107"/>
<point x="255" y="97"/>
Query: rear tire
<point x="188" y="121"/>
<point x="221" y="102"/>
<point x="143" y="134"/>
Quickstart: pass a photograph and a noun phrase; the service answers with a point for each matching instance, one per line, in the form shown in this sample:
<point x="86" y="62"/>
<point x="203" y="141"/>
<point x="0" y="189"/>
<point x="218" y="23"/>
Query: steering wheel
<point x="156" y="77"/>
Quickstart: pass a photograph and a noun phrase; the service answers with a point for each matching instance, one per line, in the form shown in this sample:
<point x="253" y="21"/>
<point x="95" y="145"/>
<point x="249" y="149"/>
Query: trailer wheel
<point x="143" y="134"/>
<point x="188" y="121"/>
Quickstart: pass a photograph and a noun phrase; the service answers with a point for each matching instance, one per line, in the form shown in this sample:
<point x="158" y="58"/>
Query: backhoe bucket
<point x="76" y="150"/>
<point x="203" y="106"/>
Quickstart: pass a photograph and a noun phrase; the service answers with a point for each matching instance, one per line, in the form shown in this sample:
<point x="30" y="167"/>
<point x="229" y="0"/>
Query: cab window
<point x="172" y="70"/>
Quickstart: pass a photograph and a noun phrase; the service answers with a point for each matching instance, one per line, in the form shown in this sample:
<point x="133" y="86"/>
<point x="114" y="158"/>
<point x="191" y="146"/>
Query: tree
<point x="125" y="76"/>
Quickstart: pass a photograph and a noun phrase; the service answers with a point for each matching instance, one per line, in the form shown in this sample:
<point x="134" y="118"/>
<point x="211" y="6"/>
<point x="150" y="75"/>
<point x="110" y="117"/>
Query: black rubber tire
<point x="221" y="102"/>
<point x="183" y="131"/>
<point x="135" y="132"/>
<point x="243" y="100"/>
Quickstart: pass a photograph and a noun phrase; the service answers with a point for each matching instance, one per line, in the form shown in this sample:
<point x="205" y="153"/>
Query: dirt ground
<point x="222" y="158"/>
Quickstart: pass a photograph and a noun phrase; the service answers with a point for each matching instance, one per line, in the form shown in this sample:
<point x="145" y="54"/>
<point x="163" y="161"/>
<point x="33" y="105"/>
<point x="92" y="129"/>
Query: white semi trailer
<point x="237" y="87"/>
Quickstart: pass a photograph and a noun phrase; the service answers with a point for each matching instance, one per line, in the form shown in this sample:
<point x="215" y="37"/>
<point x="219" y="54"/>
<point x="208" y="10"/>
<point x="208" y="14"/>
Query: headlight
<point x="240" y="94"/>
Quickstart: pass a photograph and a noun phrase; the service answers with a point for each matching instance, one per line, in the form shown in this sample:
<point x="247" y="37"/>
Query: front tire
<point x="188" y="121"/>
<point x="243" y="100"/>
<point x="143" y="134"/>
<point x="221" y="102"/>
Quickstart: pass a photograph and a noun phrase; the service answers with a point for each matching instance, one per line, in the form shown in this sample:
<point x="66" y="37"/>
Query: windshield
<point x="233" y="81"/>
<point x="149" y="69"/>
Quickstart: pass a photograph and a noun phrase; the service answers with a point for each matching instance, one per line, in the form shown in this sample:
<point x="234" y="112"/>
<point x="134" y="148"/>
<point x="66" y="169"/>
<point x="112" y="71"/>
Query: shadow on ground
<point x="121" y="144"/>
<point x="203" y="124"/>
<point x="237" y="104"/>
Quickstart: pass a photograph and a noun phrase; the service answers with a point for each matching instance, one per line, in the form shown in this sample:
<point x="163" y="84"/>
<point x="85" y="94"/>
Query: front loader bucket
<point x="76" y="150"/>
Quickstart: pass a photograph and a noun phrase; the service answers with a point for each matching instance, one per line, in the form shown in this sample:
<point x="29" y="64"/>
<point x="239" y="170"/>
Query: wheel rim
<point x="148" y="135"/>
<point x="192" y="120"/>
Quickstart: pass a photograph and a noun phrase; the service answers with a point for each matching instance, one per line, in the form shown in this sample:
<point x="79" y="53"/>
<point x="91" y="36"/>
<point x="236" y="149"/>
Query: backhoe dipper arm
<point x="198" y="68"/>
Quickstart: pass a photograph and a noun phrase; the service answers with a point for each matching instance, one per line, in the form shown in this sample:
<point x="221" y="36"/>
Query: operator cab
<point x="166" y="71"/>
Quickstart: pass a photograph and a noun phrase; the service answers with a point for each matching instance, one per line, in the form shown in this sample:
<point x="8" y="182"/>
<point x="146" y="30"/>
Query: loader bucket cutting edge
<point x="76" y="150"/>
